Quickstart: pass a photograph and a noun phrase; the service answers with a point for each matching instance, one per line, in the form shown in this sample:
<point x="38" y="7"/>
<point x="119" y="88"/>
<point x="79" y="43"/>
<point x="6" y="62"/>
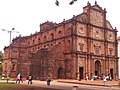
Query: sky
<point x="26" y="15"/>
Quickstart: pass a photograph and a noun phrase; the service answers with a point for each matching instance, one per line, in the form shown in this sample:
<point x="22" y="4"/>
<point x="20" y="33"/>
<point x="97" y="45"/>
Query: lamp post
<point x="9" y="54"/>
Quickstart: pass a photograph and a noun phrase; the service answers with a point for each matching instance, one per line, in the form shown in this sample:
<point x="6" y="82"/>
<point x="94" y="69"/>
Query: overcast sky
<point x="26" y="15"/>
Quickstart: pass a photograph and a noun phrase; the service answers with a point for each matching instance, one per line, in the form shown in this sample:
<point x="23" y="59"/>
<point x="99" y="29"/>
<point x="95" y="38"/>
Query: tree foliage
<point x="1" y="56"/>
<point x="1" y="60"/>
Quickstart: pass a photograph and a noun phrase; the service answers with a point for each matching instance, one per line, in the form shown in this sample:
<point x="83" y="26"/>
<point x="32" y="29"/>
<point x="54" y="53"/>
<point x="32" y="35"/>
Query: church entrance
<point x="80" y="73"/>
<point x="111" y="73"/>
<point x="97" y="68"/>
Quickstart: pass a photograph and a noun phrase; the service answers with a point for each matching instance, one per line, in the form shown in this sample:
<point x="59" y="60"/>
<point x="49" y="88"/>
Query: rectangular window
<point x="97" y="50"/>
<point x="81" y="47"/>
<point x="110" y="50"/>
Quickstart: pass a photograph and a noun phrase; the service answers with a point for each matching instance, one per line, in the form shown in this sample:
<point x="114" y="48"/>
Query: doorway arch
<point x="97" y="68"/>
<point x="60" y="72"/>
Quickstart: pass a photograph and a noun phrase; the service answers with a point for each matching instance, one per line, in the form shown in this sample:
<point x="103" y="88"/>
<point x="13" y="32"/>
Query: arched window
<point x="38" y="40"/>
<point x="59" y="32"/>
<point x="52" y="36"/>
<point x="44" y="38"/>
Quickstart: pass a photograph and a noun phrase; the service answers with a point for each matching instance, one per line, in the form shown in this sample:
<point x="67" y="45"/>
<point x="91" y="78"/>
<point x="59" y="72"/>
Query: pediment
<point x="108" y="25"/>
<point x="97" y="7"/>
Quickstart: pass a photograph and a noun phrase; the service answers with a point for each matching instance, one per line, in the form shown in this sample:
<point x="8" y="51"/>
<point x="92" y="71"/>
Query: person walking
<point x="18" y="79"/>
<point x="30" y="79"/>
<point x="86" y="77"/>
<point x="104" y="80"/>
<point x="116" y="77"/>
<point x="49" y="80"/>
<point x="21" y="78"/>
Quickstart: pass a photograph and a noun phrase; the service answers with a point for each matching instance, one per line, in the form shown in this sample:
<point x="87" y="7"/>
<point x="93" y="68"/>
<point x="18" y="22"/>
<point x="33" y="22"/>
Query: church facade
<point x="118" y="38"/>
<point x="83" y="45"/>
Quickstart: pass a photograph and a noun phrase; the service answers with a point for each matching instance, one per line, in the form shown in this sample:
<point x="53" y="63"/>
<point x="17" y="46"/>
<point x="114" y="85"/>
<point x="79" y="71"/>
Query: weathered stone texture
<point x="83" y="45"/>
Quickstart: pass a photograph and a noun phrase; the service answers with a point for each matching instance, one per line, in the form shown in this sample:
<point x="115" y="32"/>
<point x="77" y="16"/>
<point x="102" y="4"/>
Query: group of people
<point x="29" y="78"/>
<point x="19" y="79"/>
<point x="103" y="77"/>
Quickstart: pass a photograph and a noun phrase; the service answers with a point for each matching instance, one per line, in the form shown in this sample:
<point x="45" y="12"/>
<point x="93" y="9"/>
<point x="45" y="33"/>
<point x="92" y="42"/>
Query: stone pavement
<point x="84" y="82"/>
<point x="89" y="82"/>
<point x="68" y="84"/>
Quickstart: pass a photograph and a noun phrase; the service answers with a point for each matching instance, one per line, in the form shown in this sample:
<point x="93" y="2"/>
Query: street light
<point x="10" y="61"/>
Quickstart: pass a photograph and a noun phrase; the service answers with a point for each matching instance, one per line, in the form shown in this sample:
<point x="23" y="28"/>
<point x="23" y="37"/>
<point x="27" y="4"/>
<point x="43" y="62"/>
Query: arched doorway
<point x="60" y="72"/>
<point x="97" y="68"/>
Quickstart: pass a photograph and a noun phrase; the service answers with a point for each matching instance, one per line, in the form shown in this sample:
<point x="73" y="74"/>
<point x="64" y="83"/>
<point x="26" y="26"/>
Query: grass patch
<point x="7" y="86"/>
<point x="13" y="86"/>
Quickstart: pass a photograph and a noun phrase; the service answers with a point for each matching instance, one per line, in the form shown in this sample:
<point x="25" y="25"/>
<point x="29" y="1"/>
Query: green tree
<point x="1" y="60"/>
<point x="1" y="56"/>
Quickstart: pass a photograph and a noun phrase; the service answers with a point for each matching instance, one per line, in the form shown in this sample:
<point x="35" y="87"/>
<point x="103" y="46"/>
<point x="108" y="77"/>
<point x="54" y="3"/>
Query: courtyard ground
<point x="60" y="84"/>
<point x="89" y="82"/>
<point x="13" y="86"/>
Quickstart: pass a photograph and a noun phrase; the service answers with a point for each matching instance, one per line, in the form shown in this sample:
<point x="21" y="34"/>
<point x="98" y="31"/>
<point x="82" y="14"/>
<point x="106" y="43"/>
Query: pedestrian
<point x="49" y="80"/>
<point x="21" y="78"/>
<point x="79" y="77"/>
<point x="110" y="78"/>
<point x="18" y="79"/>
<point x="116" y="77"/>
<point x="92" y="78"/>
<point x="86" y="77"/>
<point x="30" y="79"/>
<point x="104" y="81"/>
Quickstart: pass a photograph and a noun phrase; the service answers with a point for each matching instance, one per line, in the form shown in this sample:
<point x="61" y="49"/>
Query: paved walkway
<point x="84" y="82"/>
<point x="68" y="84"/>
<point x="89" y="82"/>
